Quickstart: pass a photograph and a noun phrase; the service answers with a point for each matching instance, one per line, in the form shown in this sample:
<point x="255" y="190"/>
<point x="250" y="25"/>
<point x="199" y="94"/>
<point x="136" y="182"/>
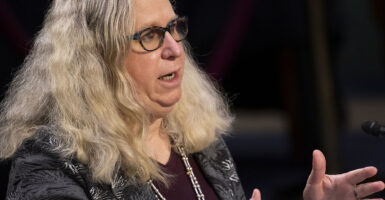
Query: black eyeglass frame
<point x="136" y="36"/>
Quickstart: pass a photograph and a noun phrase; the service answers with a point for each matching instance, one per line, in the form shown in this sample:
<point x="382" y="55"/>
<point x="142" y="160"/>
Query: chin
<point x="163" y="109"/>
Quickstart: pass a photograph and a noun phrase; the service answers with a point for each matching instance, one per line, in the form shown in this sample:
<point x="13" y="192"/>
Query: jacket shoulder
<point x="39" y="172"/>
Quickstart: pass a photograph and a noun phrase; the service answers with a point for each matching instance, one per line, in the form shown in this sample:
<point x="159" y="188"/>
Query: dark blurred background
<point x="299" y="74"/>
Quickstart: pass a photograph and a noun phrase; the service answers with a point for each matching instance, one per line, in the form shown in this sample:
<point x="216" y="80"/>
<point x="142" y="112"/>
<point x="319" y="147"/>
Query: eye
<point x="148" y="36"/>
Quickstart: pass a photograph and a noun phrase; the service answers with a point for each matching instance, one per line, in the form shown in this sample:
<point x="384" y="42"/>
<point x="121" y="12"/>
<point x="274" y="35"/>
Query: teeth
<point x="167" y="77"/>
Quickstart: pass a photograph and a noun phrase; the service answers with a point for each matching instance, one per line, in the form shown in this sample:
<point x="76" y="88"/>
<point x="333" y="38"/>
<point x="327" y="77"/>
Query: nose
<point x="171" y="48"/>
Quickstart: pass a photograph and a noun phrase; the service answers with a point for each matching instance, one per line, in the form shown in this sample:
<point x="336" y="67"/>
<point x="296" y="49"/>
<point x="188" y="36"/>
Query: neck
<point x="158" y="142"/>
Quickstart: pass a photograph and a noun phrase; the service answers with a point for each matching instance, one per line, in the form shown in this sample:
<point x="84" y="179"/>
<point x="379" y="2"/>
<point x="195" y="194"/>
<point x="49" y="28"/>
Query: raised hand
<point x="321" y="186"/>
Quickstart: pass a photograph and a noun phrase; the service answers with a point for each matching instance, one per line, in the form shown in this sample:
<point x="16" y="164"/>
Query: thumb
<point x="319" y="168"/>
<point x="256" y="195"/>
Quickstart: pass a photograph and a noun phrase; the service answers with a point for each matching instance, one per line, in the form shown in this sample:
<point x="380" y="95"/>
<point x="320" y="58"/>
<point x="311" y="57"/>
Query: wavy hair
<point x="74" y="82"/>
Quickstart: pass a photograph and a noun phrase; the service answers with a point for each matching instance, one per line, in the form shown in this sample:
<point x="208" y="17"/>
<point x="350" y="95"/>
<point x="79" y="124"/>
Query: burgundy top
<point x="180" y="185"/>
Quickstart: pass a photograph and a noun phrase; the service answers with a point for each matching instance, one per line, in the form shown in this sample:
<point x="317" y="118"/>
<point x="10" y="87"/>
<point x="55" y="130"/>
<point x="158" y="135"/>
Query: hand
<point x="321" y="186"/>
<point x="256" y="195"/>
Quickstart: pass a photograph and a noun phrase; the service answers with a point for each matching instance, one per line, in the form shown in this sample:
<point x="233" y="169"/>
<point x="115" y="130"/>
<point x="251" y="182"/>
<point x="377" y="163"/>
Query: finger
<point x="367" y="189"/>
<point x="256" y="195"/>
<point x="358" y="175"/>
<point x="319" y="168"/>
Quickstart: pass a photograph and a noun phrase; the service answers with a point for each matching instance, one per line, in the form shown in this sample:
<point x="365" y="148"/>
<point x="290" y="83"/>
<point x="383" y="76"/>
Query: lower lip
<point x="174" y="82"/>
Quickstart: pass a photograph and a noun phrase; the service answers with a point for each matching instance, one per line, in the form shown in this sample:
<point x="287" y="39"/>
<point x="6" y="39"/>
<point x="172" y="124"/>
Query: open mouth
<point x="167" y="77"/>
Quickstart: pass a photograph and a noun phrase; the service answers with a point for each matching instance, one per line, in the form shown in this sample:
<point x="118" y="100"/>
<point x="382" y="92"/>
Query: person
<point x="109" y="104"/>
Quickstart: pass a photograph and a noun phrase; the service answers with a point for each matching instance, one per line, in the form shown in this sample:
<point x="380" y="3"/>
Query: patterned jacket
<point x="37" y="172"/>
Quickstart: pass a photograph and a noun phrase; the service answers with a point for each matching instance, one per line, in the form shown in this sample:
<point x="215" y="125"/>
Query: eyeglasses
<point x="152" y="38"/>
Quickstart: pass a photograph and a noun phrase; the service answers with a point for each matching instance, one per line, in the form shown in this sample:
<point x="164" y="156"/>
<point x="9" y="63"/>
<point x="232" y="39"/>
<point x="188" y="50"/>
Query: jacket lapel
<point x="218" y="167"/>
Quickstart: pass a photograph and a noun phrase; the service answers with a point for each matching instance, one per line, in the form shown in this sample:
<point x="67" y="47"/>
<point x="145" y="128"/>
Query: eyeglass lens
<point x="151" y="38"/>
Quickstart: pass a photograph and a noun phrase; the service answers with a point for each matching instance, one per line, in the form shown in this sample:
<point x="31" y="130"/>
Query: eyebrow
<point x="152" y="24"/>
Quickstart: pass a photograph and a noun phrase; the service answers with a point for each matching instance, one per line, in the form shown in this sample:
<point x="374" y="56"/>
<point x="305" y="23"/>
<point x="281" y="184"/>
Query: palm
<point x="332" y="187"/>
<point x="321" y="186"/>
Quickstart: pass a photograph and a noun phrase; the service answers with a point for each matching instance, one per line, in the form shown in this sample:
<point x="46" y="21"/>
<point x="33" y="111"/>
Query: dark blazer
<point x="38" y="172"/>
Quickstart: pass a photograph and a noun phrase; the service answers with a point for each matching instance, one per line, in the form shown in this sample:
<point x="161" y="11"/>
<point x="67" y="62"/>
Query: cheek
<point x="141" y="70"/>
<point x="143" y="82"/>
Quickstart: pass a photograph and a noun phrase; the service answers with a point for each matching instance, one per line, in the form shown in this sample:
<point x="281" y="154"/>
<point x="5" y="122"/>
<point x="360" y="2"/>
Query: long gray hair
<point x="74" y="83"/>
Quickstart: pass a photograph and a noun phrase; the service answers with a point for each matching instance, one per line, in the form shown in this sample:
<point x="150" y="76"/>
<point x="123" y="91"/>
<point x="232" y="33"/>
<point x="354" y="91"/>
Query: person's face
<point x="157" y="74"/>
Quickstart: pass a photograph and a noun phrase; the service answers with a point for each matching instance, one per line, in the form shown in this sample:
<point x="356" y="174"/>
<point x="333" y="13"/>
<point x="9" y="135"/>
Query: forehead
<point x="152" y="13"/>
